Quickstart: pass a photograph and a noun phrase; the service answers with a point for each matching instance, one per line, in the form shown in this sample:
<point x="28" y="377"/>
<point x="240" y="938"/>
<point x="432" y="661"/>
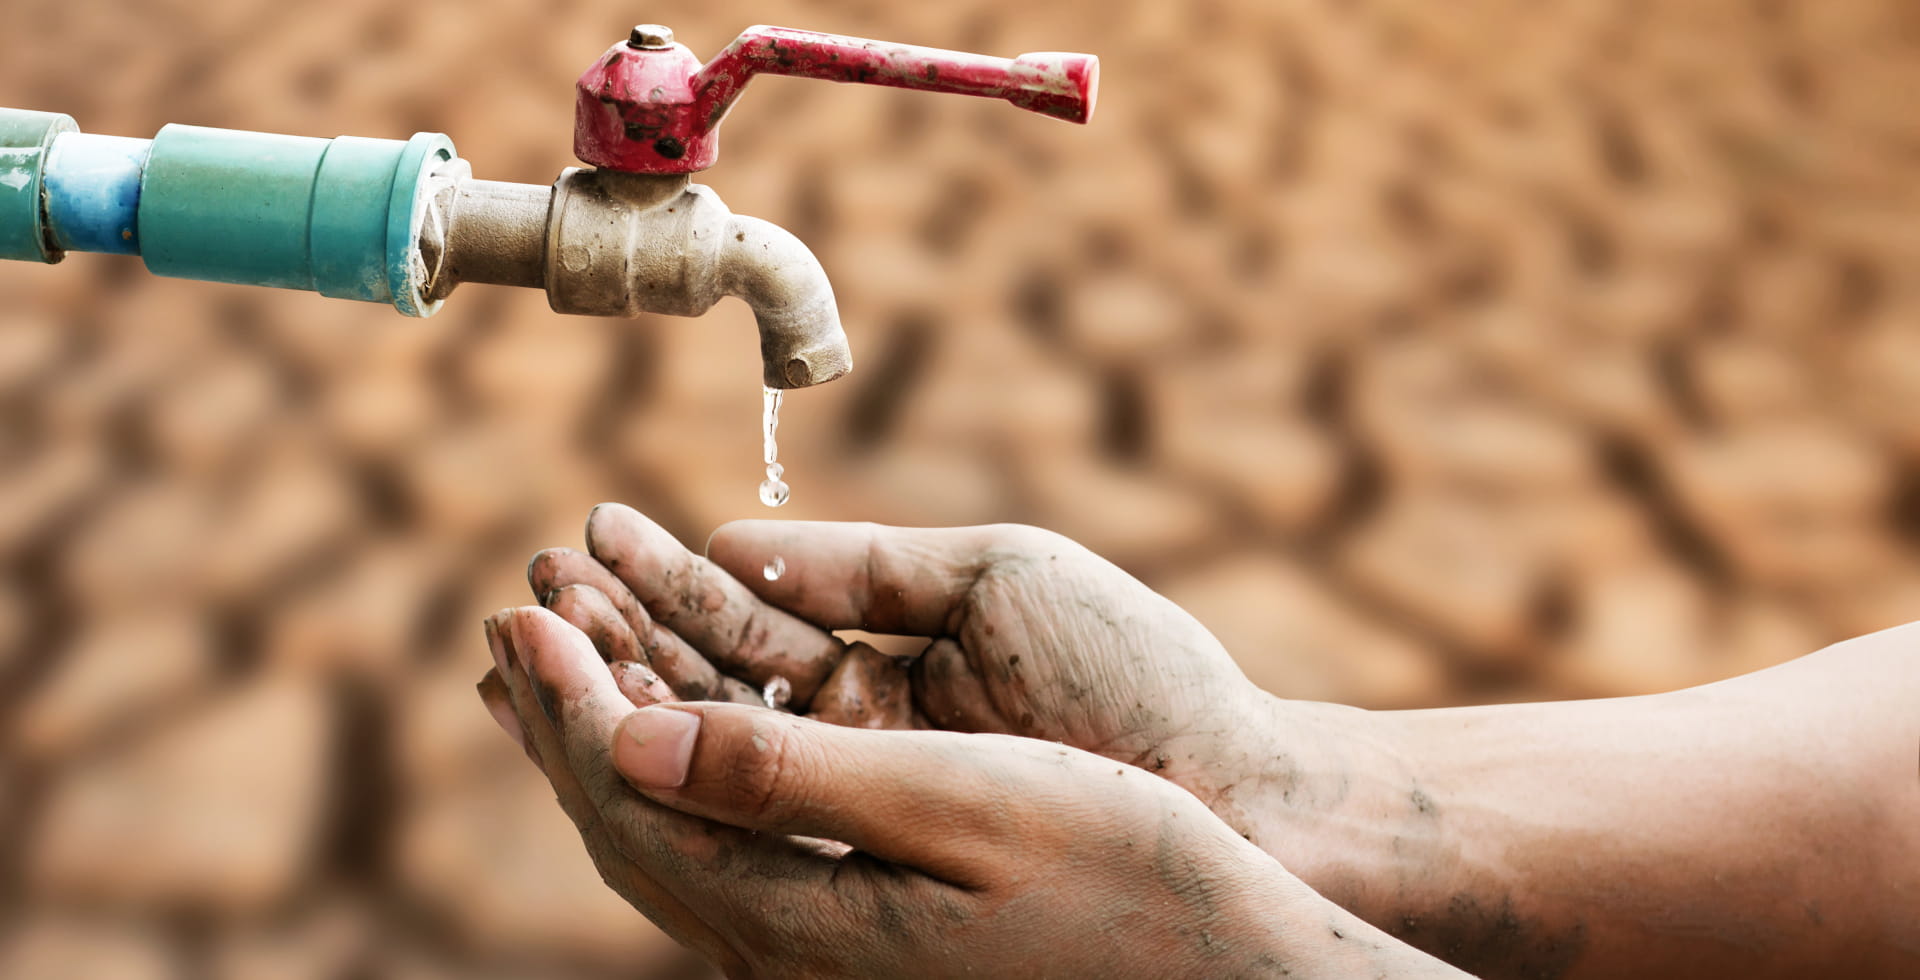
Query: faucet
<point x="405" y="222"/>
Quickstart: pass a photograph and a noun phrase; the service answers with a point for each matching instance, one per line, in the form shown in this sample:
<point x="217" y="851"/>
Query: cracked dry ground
<point x="1428" y="352"/>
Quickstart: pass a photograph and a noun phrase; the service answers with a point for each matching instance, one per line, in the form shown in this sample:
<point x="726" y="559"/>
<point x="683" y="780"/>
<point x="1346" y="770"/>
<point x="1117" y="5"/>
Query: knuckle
<point x="1025" y="539"/>
<point x="604" y="785"/>
<point x="764" y="774"/>
<point x="751" y="640"/>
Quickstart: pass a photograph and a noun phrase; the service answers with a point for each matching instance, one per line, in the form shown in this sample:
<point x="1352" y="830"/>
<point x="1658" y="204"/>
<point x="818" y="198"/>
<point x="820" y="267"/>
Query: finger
<point x="868" y="576"/>
<point x="641" y="685"/>
<point x="735" y="691"/>
<point x="708" y="607"/>
<point x="620" y="873"/>
<point x="591" y="612"/>
<point x="690" y="675"/>
<point x="946" y="688"/>
<point x="580" y="706"/>
<point x="946" y="804"/>
<point x="868" y="690"/>
<point x="557" y="568"/>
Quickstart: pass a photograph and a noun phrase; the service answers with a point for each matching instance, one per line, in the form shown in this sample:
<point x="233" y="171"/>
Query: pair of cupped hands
<point x="1028" y="796"/>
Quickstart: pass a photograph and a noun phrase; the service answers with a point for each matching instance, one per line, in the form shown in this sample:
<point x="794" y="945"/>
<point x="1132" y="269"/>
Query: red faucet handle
<point x="648" y="106"/>
<point x="1057" y="84"/>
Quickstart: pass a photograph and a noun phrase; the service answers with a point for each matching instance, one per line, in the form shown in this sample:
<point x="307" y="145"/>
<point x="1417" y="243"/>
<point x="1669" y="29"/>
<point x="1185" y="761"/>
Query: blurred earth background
<point x="1428" y="352"/>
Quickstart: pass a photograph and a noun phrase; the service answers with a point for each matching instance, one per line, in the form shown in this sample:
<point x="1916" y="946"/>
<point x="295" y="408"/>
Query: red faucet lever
<point x="649" y="106"/>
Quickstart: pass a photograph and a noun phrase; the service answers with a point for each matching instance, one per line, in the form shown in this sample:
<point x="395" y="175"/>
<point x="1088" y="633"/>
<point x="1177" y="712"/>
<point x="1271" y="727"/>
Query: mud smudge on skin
<point x="1422" y="803"/>
<point x="1495" y="941"/>
<point x="549" y="701"/>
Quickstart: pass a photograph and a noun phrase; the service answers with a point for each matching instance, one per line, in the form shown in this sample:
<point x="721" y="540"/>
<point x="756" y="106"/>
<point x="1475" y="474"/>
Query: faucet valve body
<point x="628" y="244"/>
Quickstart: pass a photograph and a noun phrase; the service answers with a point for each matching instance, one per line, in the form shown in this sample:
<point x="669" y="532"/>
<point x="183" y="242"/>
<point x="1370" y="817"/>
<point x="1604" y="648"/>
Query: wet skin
<point x="1662" y="836"/>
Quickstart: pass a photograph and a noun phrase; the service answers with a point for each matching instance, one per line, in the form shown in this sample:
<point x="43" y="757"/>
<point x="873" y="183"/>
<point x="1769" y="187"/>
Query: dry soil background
<point x="1428" y="351"/>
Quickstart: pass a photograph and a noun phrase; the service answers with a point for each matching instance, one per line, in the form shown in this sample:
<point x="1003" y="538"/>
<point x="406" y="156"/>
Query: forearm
<point x="1768" y="825"/>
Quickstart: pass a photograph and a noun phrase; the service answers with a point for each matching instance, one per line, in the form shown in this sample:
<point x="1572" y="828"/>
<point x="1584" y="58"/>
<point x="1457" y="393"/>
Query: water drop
<point x="773" y="492"/>
<point x="777" y="692"/>
<point x="776" y="567"/>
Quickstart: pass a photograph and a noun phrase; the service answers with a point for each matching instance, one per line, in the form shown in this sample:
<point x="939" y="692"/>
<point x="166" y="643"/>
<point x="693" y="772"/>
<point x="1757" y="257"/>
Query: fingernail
<point x="503" y="716"/>
<point x="587" y="532"/>
<point x="655" y="747"/>
<point x="503" y="629"/>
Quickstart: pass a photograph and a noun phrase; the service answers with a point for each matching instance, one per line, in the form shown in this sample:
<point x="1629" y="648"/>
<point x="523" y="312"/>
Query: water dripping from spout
<point x="773" y="490"/>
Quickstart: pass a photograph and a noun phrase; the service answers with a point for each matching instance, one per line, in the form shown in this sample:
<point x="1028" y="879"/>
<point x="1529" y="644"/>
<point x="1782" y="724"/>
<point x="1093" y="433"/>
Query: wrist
<point x="1306" y="934"/>
<point x="1332" y="792"/>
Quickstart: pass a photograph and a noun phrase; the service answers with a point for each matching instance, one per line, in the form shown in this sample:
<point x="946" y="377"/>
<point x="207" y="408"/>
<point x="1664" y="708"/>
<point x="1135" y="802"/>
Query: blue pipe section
<point x="92" y="188"/>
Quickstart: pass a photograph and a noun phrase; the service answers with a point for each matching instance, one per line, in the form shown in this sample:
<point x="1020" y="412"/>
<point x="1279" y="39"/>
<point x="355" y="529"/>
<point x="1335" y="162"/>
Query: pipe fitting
<point x="26" y="141"/>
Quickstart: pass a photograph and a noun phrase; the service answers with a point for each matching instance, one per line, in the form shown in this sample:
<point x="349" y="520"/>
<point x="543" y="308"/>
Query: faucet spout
<point x="607" y="243"/>
<point x="801" y="340"/>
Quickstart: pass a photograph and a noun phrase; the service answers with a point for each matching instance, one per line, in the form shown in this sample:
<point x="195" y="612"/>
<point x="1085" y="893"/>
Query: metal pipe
<point x="497" y="233"/>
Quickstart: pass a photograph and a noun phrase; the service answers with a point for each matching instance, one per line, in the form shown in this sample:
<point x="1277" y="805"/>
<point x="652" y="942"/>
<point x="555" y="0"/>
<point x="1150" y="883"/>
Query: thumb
<point x="942" y="802"/>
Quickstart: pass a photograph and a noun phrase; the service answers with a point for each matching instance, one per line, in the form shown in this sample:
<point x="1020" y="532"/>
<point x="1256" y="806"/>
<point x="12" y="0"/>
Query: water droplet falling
<point x="777" y="692"/>
<point x="773" y="490"/>
<point x="773" y="493"/>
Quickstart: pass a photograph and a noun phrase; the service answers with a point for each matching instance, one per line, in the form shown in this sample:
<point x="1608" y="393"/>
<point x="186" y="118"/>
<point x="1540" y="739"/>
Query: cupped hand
<point x="783" y="846"/>
<point x="1026" y="633"/>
